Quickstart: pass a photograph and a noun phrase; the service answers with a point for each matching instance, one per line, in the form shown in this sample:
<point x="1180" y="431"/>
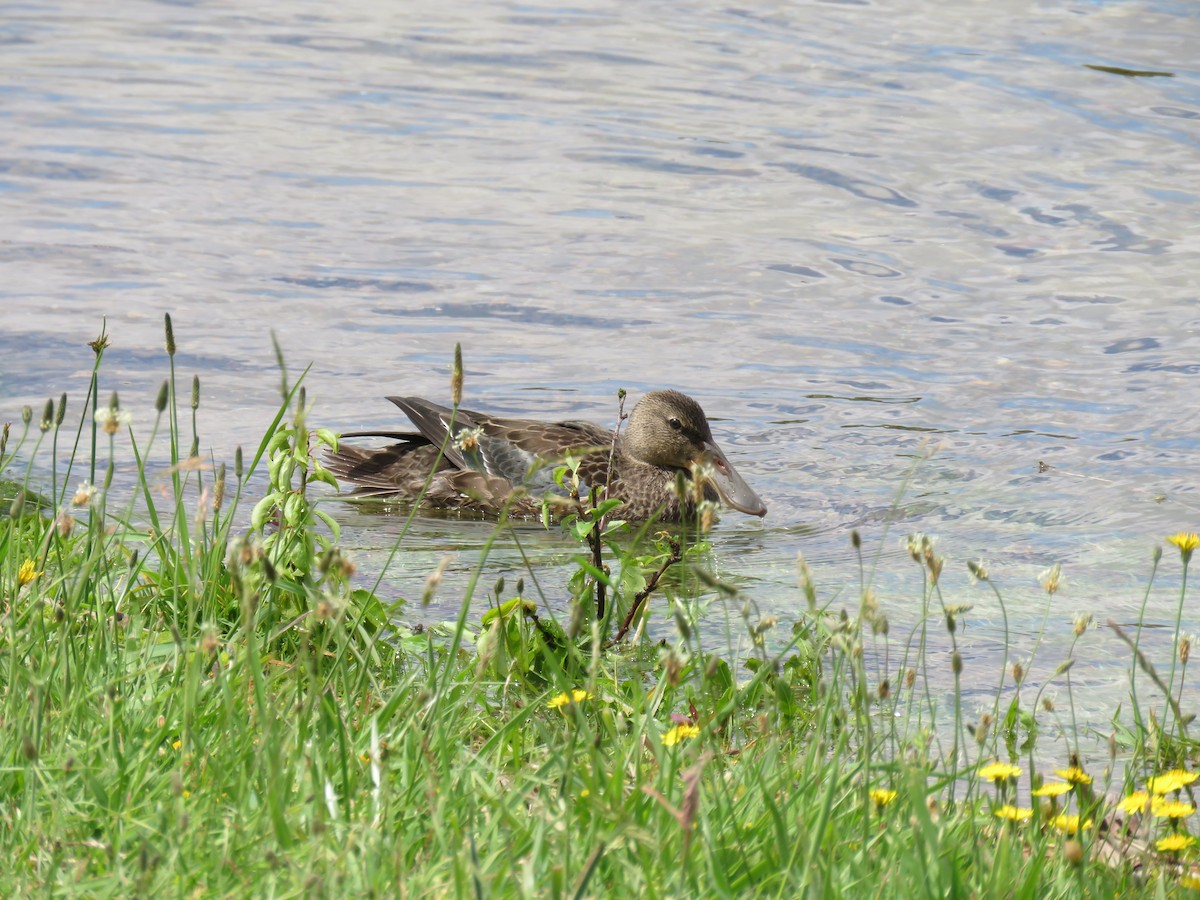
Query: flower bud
<point x="456" y="377"/>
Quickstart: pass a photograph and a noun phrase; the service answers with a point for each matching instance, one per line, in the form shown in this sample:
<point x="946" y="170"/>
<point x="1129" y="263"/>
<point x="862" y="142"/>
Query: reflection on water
<point x="930" y="273"/>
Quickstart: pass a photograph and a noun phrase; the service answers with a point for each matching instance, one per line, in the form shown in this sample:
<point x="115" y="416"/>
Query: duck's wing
<point x="433" y="422"/>
<point x="530" y="450"/>
<point x="403" y="470"/>
<point x="520" y="451"/>
<point x="399" y="469"/>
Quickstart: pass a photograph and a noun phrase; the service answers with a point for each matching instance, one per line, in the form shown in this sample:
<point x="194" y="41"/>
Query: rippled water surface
<point x="859" y="233"/>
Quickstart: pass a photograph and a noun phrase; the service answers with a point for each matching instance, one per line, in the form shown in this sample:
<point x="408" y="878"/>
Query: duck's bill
<point x="730" y="486"/>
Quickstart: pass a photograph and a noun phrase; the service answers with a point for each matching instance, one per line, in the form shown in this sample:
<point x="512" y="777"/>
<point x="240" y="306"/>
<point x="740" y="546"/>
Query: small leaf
<point x="262" y="509"/>
<point x="603" y="509"/>
<point x="506" y="609"/>
<point x="330" y="521"/>
<point x="320" y="473"/>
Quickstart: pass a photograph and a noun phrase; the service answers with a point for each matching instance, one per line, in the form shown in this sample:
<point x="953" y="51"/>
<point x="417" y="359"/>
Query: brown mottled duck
<point x="485" y="459"/>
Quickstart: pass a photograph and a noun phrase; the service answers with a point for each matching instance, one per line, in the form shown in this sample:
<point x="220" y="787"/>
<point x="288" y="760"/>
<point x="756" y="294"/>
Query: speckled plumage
<point x="490" y="461"/>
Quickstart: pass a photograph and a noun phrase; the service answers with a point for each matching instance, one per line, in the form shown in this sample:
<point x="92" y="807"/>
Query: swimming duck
<point x="486" y="458"/>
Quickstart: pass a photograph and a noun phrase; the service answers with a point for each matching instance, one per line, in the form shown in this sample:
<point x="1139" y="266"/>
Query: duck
<point x="459" y="459"/>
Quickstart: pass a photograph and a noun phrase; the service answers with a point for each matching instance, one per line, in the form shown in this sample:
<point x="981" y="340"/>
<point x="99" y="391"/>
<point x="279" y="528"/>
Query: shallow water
<point x="860" y="234"/>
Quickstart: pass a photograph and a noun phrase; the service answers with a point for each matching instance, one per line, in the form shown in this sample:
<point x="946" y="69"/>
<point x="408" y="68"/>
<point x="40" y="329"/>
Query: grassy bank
<point x="199" y="696"/>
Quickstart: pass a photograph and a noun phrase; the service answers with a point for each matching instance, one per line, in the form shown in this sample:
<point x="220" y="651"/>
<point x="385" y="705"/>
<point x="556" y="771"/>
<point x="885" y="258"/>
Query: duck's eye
<point x="674" y="423"/>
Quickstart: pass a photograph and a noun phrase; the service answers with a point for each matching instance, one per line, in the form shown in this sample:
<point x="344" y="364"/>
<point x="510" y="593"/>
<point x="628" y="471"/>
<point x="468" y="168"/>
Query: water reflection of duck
<point x="486" y="458"/>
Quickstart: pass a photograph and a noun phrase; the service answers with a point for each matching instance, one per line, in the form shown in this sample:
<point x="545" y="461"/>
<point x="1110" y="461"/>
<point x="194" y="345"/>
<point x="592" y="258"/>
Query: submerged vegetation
<point x="198" y="696"/>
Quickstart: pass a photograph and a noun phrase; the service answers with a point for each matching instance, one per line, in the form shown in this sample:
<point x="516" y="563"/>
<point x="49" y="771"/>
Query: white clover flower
<point x="84" y="494"/>
<point x="467" y="439"/>
<point x="111" y="420"/>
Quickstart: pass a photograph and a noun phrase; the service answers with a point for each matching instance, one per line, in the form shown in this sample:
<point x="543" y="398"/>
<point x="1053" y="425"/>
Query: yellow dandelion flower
<point x="1135" y="802"/>
<point x="1171" y="809"/>
<point x="175" y="745"/>
<point x="1186" y="541"/>
<point x="999" y="771"/>
<point x="1069" y="824"/>
<point x="186" y="794"/>
<point x="585" y="793"/>
<point x="1185" y="777"/>
<point x="567" y="697"/>
<point x="1074" y="775"/>
<point x="1173" y="843"/>
<point x="679" y="733"/>
<point x="1053" y="789"/>
<point x="27" y="573"/>
<point x="882" y="796"/>
<point x="1013" y="813"/>
<point x="1164" y="784"/>
<point x="1174" y="780"/>
<point x="1192" y="882"/>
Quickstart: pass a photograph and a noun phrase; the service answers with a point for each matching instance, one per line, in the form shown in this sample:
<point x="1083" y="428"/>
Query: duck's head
<point x="669" y="429"/>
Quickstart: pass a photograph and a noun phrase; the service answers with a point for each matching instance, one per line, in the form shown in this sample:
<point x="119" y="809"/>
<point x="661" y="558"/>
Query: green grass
<point x="198" y="697"/>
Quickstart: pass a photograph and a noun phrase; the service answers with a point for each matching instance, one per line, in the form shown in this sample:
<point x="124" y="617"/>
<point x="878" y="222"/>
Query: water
<point x="860" y="234"/>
